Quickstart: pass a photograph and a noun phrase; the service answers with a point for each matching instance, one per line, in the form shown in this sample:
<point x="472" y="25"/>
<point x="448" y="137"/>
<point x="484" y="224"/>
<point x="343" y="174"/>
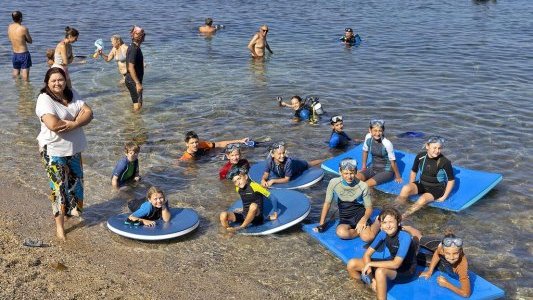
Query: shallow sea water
<point x="461" y="70"/>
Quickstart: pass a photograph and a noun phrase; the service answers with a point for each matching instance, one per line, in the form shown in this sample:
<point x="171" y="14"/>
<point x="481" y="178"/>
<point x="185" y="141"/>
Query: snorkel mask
<point x="348" y="164"/>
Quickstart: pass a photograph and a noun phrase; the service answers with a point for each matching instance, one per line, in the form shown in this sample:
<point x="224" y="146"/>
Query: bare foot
<point x="75" y="212"/>
<point x="60" y="233"/>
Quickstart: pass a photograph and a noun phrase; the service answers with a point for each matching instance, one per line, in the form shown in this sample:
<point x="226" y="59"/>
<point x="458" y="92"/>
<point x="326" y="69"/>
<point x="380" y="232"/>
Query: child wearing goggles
<point x="384" y="167"/>
<point x="436" y="179"/>
<point x="449" y="258"/>
<point x="197" y="148"/>
<point x="338" y="138"/>
<point x="349" y="38"/>
<point x="233" y="154"/>
<point x="280" y="168"/>
<point x="354" y="203"/>
<point x="400" y="266"/>
<point x="252" y="196"/>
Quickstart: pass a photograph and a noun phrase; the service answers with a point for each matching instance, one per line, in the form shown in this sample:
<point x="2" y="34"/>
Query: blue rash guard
<point x="148" y="212"/>
<point x="291" y="168"/>
<point x="338" y="139"/>
<point x="126" y="170"/>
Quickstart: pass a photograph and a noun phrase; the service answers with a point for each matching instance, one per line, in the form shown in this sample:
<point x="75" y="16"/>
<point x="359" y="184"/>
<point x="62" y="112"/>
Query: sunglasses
<point x="336" y="119"/>
<point x="436" y="139"/>
<point x="348" y="29"/>
<point x="264" y="30"/>
<point x="449" y="241"/>
<point x="348" y="164"/>
<point x="377" y="122"/>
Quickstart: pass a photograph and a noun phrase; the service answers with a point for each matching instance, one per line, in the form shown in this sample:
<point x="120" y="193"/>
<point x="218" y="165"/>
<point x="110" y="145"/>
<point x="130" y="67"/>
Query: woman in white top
<point x="63" y="55"/>
<point x="61" y="141"/>
<point x="118" y="52"/>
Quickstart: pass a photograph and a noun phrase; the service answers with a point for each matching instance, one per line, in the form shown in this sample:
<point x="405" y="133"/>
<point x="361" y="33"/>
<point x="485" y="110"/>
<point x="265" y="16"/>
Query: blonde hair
<point x="154" y="190"/>
<point x="117" y="37"/>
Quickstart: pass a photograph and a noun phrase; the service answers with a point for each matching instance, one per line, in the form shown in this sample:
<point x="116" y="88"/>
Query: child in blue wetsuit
<point x="399" y="261"/>
<point x="252" y="196"/>
<point x="349" y="39"/>
<point x="280" y="168"/>
<point x="127" y="168"/>
<point x="155" y="208"/>
<point x="302" y="112"/>
<point x="384" y="166"/>
<point x="338" y="138"/>
<point x="436" y="177"/>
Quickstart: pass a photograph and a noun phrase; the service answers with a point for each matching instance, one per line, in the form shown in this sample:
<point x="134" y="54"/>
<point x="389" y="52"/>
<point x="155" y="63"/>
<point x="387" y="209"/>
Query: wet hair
<point x="390" y="211"/>
<point x="132" y="146"/>
<point x="67" y="92"/>
<point x="297" y="97"/>
<point x="69" y="31"/>
<point x="190" y="135"/>
<point x="208" y="21"/>
<point x="236" y="171"/>
<point x="154" y="190"/>
<point x="16" y="16"/>
<point x="117" y="37"/>
<point x="50" y="55"/>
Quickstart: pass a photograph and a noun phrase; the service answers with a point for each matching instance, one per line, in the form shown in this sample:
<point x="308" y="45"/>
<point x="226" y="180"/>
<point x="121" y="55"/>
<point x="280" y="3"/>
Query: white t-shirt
<point x="64" y="143"/>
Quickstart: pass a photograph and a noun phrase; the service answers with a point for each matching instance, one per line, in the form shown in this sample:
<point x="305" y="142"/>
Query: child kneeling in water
<point x="233" y="154"/>
<point x="155" y="208"/>
<point x="127" y="168"/>
<point x="252" y="197"/>
<point x="383" y="166"/>
<point x="282" y="169"/>
<point x="401" y="264"/>
<point x="449" y="258"/>
<point x="354" y="202"/>
<point x="436" y="177"/>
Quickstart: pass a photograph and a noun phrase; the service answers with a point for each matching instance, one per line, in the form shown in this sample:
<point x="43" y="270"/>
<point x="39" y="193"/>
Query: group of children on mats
<point x="350" y="191"/>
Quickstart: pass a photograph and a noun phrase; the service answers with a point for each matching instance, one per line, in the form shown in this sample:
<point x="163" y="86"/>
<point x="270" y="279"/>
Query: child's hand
<point x="425" y="274"/>
<point x="441" y="199"/>
<point x="398" y="180"/>
<point x="264" y="183"/>
<point x="245" y="140"/>
<point x="361" y="225"/>
<point x="148" y="223"/>
<point x="367" y="269"/>
<point x="442" y="281"/>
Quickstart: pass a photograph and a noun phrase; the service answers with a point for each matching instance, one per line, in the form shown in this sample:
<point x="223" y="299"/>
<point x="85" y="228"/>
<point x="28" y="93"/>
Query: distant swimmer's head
<point x="233" y="153"/>
<point x="191" y="141"/>
<point x="348" y="32"/>
<point x="434" y="146"/>
<point x="116" y="40"/>
<point x="208" y="21"/>
<point x="376" y="128"/>
<point x="72" y="34"/>
<point x="336" y="123"/>
<point x="137" y="33"/>
<point x="296" y="102"/>
<point x="16" y="16"/>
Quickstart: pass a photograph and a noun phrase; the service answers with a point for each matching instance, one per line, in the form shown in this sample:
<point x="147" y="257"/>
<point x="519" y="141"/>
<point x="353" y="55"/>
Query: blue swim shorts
<point x="21" y="60"/>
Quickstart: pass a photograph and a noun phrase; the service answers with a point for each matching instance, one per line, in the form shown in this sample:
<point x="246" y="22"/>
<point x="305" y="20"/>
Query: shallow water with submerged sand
<point x="459" y="70"/>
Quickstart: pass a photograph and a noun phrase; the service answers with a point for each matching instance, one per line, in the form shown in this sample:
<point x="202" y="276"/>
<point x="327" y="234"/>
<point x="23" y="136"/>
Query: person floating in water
<point x="302" y="111"/>
<point x="349" y="39"/>
<point x="197" y="148"/>
<point x="259" y="43"/>
<point x="338" y="138"/>
<point x="354" y="202"/>
<point x="252" y="196"/>
<point x="436" y="177"/>
<point x="209" y="28"/>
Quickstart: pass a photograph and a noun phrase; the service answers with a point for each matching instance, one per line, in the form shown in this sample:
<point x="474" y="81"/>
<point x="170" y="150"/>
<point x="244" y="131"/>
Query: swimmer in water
<point x="349" y="39"/>
<point x="234" y="155"/>
<point x="338" y="138"/>
<point x="196" y="148"/>
<point x="302" y="111"/>
<point x="259" y="43"/>
<point x="208" y="28"/>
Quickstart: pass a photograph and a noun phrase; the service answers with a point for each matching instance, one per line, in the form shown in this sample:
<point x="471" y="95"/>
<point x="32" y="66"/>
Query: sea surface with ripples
<point x="459" y="69"/>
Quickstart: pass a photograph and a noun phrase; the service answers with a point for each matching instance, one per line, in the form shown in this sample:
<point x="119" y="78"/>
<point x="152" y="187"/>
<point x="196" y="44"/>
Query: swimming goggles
<point x="436" y="139"/>
<point x="377" y="122"/>
<point x="348" y="29"/>
<point x="336" y="119"/>
<point x="348" y="164"/>
<point x="236" y="171"/>
<point x="231" y="147"/>
<point x="277" y="145"/>
<point x="449" y="241"/>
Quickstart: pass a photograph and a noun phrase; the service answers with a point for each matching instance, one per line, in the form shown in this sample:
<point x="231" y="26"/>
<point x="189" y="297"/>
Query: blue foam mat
<point x="182" y="221"/>
<point x="308" y="178"/>
<point x="470" y="185"/>
<point x="293" y="207"/>
<point x="418" y="288"/>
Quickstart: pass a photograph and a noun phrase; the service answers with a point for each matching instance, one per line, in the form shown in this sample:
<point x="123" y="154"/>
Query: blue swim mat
<point x="418" y="288"/>
<point x="293" y="207"/>
<point x="470" y="185"/>
<point x="182" y="221"/>
<point x="308" y="178"/>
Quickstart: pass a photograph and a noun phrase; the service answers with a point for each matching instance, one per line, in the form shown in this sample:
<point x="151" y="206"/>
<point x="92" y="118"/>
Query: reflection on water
<point x="459" y="70"/>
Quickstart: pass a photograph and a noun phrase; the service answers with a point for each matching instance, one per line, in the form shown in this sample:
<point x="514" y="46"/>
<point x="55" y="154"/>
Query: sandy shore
<point x="99" y="264"/>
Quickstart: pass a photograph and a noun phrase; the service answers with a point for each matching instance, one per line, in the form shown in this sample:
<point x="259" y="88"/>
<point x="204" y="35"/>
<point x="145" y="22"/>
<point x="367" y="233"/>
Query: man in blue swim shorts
<point x="19" y="36"/>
